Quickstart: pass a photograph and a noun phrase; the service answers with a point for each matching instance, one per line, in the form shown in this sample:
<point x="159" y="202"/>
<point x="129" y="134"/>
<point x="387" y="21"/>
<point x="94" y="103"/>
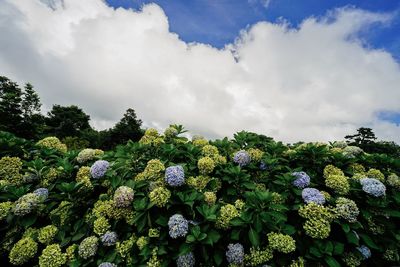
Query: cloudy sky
<point x="290" y="71"/>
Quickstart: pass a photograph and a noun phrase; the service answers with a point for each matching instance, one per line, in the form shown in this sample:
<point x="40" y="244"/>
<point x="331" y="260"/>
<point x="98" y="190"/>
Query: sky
<point x="294" y="70"/>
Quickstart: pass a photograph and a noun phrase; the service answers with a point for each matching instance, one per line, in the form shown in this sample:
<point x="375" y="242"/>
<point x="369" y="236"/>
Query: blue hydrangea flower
<point x="242" y="158"/>
<point x="42" y="193"/>
<point x="109" y="238"/>
<point x="302" y="179"/>
<point x="235" y="253"/>
<point x="178" y="226"/>
<point x="175" y="175"/>
<point x="313" y="195"/>
<point x="365" y="251"/>
<point x="107" y="264"/>
<point x="186" y="260"/>
<point x="99" y="168"/>
<point x="263" y="166"/>
<point x="373" y="187"/>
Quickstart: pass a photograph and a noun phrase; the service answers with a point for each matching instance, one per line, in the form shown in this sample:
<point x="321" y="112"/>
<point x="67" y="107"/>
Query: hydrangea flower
<point x="302" y="179"/>
<point x="365" y="251"/>
<point x="235" y="253"/>
<point x="101" y="225"/>
<point x="10" y="168"/>
<point x="99" y="168"/>
<point x="52" y="142"/>
<point x="42" y="193"/>
<point x="88" y="247"/>
<point x="186" y="260"/>
<point x="373" y="187"/>
<point x="227" y="213"/>
<point x="175" y="175"/>
<point x="26" y="204"/>
<point x="347" y="209"/>
<point x="22" y="251"/>
<point x="338" y="183"/>
<point x="107" y="264"/>
<point x="160" y="196"/>
<point x="52" y="256"/>
<point x="313" y="195"/>
<point x="5" y="208"/>
<point x="255" y="154"/>
<point x="206" y="165"/>
<point x="282" y="243"/>
<point x="109" y="238"/>
<point x="258" y="256"/>
<point x="47" y="233"/>
<point x="88" y="154"/>
<point x="178" y="226"/>
<point x="210" y="198"/>
<point x="123" y="196"/>
<point x="242" y="158"/>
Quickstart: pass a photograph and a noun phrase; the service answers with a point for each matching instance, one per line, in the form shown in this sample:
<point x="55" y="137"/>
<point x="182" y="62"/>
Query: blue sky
<point x="218" y="22"/>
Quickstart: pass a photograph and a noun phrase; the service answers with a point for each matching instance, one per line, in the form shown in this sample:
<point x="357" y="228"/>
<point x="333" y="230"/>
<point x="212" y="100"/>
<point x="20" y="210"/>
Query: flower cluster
<point x="365" y="252"/>
<point x="332" y="170"/>
<point x="5" y="208"/>
<point x="210" y="198"/>
<point x="206" y="165"/>
<point x="302" y="179"/>
<point x="123" y="196"/>
<point x="242" y="158"/>
<point x="282" y="243"/>
<point x="88" y="247"/>
<point x="318" y="220"/>
<point x="338" y="183"/>
<point x="154" y="232"/>
<point x="178" y="226"/>
<point x="313" y="195"/>
<point x="186" y="260"/>
<point x="394" y="181"/>
<point x="347" y="209"/>
<point x="151" y="137"/>
<point x="83" y="176"/>
<point x="258" y="256"/>
<point x="107" y="264"/>
<point x="171" y="132"/>
<point x="373" y="187"/>
<point x="42" y="193"/>
<point x="88" y="154"/>
<point x="142" y="242"/>
<point x="199" y="141"/>
<point x="227" y="213"/>
<point x="9" y="170"/>
<point x="47" y="234"/>
<point x="357" y="168"/>
<point x="52" y="142"/>
<point x="351" y="259"/>
<point x="99" y="168"/>
<point x="235" y="253"/>
<point x="153" y="171"/>
<point x="175" y="176"/>
<point x="101" y="225"/>
<point x="22" y="251"/>
<point x="52" y="256"/>
<point x="376" y="174"/>
<point x="109" y="239"/>
<point x="352" y="151"/>
<point x="26" y="204"/>
<point x="255" y="154"/>
<point x="160" y="196"/>
<point x="123" y="248"/>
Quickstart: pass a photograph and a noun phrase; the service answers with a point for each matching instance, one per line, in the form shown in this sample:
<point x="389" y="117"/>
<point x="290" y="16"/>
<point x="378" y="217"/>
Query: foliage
<point x="161" y="203"/>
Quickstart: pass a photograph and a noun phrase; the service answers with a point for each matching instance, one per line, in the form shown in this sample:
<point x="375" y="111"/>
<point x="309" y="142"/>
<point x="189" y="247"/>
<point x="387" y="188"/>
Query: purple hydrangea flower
<point x="107" y="264"/>
<point x="186" y="260"/>
<point x="175" y="175"/>
<point x="235" y="253"/>
<point x="302" y="179"/>
<point x="123" y="196"/>
<point x="109" y="238"/>
<point x="313" y="195"/>
<point x="365" y="251"/>
<point x="178" y="226"/>
<point x="373" y="187"/>
<point x="99" y="168"/>
<point x="42" y="193"/>
<point x="263" y="166"/>
<point x="242" y="158"/>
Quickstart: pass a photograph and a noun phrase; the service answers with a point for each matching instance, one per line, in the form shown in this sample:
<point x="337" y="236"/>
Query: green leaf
<point x="352" y="238"/>
<point x="315" y="251"/>
<point x="254" y="238"/>
<point x="190" y="239"/>
<point x="28" y="220"/>
<point x="218" y="257"/>
<point x="331" y="262"/>
<point x="370" y="243"/>
<point x="338" y="248"/>
<point x="345" y="227"/>
<point x="185" y="248"/>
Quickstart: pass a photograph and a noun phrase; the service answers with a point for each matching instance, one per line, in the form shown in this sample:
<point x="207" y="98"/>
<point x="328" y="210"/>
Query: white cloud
<point x="316" y="82"/>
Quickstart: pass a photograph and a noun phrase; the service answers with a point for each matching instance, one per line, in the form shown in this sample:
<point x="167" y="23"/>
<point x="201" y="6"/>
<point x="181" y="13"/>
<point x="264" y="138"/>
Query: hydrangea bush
<point x="170" y="201"/>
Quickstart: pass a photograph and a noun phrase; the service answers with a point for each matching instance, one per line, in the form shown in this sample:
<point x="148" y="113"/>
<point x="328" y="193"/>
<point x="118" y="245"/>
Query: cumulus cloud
<point x="318" y="81"/>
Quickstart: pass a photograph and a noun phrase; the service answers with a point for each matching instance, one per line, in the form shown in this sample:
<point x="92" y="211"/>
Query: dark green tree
<point x="66" y="121"/>
<point x="33" y="122"/>
<point x="362" y="137"/>
<point x="128" y="128"/>
<point x="10" y="105"/>
<point x="30" y="104"/>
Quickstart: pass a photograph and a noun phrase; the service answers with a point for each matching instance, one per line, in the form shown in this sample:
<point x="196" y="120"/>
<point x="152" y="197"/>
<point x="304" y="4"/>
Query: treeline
<point x="20" y="114"/>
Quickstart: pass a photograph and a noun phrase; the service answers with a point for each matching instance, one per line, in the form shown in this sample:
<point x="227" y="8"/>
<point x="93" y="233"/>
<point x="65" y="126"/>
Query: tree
<point x="128" y="128"/>
<point x="66" y="121"/>
<point x="30" y="104"/>
<point x="362" y="137"/>
<point x="10" y="105"/>
<point x="33" y="121"/>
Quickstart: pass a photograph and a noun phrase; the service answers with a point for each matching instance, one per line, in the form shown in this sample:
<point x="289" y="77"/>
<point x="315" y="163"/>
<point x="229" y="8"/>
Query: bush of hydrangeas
<point x="172" y="201"/>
